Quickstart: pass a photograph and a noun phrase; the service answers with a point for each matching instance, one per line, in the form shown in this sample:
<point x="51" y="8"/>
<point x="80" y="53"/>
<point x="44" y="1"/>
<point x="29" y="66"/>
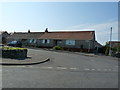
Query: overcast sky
<point x="61" y="16"/>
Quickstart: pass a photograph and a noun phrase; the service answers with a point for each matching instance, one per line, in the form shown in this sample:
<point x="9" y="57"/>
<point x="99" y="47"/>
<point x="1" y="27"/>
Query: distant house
<point x="27" y="38"/>
<point x="114" y="43"/>
<point x="3" y="36"/>
<point x="74" y="40"/>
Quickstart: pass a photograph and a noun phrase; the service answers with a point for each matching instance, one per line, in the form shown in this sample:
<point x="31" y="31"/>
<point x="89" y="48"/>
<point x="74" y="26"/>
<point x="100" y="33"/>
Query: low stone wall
<point x="14" y="54"/>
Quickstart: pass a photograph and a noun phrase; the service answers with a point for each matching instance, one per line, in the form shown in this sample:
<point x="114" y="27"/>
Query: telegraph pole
<point x="110" y="51"/>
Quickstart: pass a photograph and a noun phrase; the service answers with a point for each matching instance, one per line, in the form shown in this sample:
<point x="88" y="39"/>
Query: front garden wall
<point x="14" y="54"/>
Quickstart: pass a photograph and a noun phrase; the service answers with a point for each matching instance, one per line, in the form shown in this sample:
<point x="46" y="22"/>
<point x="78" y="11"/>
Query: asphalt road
<point x="64" y="70"/>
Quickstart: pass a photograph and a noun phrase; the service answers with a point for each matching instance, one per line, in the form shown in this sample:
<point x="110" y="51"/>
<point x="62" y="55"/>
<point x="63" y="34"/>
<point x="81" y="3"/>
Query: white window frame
<point x="31" y="40"/>
<point x="48" y="41"/>
<point x="34" y="41"/>
<point x="43" y="41"/>
<point x="70" y="42"/>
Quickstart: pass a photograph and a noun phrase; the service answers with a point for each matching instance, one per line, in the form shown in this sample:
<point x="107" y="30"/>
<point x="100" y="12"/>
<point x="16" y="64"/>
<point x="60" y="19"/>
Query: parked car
<point x="117" y="54"/>
<point x="1" y="45"/>
<point x="15" y="44"/>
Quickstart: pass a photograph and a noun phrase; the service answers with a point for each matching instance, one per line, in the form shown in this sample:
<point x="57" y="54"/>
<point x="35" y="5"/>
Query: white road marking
<point x="114" y="70"/>
<point x="47" y="67"/>
<point x="86" y="69"/>
<point x="109" y="69"/>
<point x="50" y="67"/>
<point x="61" y="67"/>
<point x="93" y="69"/>
<point x="98" y="69"/>
<point x="65" y="68"/>
<point x="92" y="60"/>
<point x="104" y="69"/>
<point x="73" y="68"/>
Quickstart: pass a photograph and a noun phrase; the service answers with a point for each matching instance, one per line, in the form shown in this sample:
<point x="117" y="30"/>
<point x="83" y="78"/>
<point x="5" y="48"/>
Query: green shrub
<point x="116" y="49"/>
<point x="57" y="48"/>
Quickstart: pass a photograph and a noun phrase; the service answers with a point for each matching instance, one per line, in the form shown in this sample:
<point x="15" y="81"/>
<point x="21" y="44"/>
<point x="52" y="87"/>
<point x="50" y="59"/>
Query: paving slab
<point x="31" y="59"/>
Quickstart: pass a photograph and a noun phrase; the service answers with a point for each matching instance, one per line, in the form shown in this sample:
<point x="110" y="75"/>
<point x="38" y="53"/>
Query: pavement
<point x="77" y="53"/>
<point x="65" y="51"/>
<point x="30" y="60"/>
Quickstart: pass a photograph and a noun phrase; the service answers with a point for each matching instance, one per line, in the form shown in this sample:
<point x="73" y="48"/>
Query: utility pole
<point x="110" y="51"/>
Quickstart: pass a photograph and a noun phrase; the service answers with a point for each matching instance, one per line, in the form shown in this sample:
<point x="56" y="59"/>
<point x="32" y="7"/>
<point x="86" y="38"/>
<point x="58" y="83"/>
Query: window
<point x="35" y="41"/>
<point x="70" y="42"/>
<point x="86" y="40"/>
<point x="30" y="41"/>
<point x="13" y="42"/>
<point x="46" y="41"/>
<point x="43" y="41"/>
<point x="59" y="41"/>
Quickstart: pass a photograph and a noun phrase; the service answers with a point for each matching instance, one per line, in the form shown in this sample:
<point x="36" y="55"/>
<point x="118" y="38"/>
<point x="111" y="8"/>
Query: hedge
<point x="14" y="53"/>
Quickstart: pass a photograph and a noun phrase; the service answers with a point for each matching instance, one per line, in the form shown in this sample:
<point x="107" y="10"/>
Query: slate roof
<point x="73" y="35"/>
<point x="1" y="32"/>
<point x="26" y="35"/>
<point x="97" y="44"/>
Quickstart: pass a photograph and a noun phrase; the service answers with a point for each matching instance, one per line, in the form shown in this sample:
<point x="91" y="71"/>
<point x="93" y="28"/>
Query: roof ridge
<point x="67" y="31"/>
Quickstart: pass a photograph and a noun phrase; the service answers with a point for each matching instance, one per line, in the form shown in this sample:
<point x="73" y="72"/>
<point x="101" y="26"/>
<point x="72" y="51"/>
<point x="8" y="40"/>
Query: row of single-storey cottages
<point x="75" y="40"/>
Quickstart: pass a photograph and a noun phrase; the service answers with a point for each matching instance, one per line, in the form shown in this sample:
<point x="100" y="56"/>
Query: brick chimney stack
<point x="46" y="30"/>
<point x="28" y="30"/>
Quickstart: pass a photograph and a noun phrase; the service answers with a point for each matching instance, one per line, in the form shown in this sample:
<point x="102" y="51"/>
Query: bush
<point x="116" y="49"/>
<point x="14" y="53"/>
<point x="57" y="48"/>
